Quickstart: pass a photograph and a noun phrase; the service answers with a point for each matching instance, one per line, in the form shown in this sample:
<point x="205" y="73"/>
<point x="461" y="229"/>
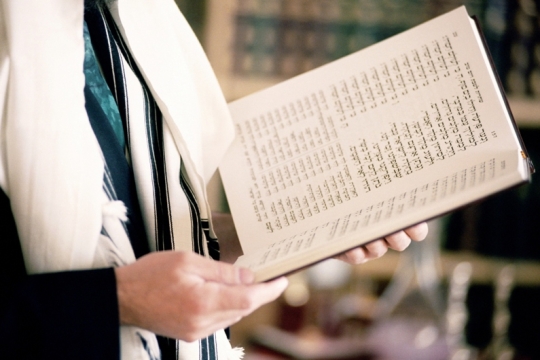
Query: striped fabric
<point x="168" y="201"/>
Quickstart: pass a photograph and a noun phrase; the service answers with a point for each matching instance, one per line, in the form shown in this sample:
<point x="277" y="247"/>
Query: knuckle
<point x="224" y="272"/>
<point x="191" y="336"/>
<point x="246" y="303"/>
<point x="193" y="329"/>
<point x="183" y="257"/>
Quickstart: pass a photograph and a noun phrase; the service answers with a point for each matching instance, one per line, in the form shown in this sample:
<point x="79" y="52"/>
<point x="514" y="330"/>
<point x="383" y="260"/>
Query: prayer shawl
<point x="52" y="167"/>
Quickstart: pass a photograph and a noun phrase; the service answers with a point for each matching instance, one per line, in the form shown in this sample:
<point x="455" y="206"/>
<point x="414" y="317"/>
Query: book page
<point x="398" y="122"/>
<point x="426" y="199"/>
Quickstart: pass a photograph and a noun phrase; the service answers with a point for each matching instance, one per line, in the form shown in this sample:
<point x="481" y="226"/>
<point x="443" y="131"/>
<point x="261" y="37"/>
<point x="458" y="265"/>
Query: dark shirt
<point x="64" y="315"/>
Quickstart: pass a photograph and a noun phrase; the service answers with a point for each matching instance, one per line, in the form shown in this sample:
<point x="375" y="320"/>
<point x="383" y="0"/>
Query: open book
<point x="398" y="133"/>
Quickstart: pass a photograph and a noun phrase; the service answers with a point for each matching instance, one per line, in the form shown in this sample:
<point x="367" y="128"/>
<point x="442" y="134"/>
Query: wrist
<point x="125" y="313"/>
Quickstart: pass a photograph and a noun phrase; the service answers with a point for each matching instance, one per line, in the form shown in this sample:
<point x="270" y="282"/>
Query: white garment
<point x="51" y="166"/>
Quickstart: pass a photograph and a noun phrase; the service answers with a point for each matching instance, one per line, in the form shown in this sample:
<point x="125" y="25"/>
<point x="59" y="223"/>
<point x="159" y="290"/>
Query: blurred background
<point x="472" y="291"/>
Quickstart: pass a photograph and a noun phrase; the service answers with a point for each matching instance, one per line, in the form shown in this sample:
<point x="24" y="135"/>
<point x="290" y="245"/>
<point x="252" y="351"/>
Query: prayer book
<point x="400" y="132"/>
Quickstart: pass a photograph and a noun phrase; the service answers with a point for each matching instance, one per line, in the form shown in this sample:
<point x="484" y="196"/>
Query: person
<point x="111" y="125"/>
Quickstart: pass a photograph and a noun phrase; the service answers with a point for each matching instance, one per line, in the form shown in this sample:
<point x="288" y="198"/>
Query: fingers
<point x="227" y="302"/>
<point x="264" y="293"/>
<point x="185" y="296"/>
<point x="225" y="305"/>
<point x="398" y="241"/>
<point x="417" y="232"/>
<point x="402" y="239"/>
<point x="360" y="255"/>
<point x="354" y="256"/>
<point x="248" y="298"/>
<point x="376" y="249"/>
<point x="218" y="271"/>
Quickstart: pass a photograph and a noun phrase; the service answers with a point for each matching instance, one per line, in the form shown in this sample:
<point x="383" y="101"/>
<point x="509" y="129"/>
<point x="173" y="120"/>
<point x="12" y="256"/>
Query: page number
<point x="494" y="134"/>
<point x="454" y="34"/>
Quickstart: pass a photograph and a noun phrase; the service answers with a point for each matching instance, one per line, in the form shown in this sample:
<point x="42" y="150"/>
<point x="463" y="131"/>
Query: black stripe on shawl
<point x="200" y="227"/>
<point x="154" y="128"/>
<point x="207" y="347"/>
<point x="212" y="242"/>
<point x="110" y="52"/>
<point x="203" y="348"/>
<point x="168" y="347"/>
<point x="194" y="212"/>
<point x="212" y="344"/>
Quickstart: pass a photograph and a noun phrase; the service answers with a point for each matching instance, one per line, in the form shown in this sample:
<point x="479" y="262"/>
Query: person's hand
<point x="186" y="296"/>
<point x="398" y="241"/>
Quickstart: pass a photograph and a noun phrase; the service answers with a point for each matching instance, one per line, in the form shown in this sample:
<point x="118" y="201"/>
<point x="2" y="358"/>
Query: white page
<point x="368" y="127"/>
<point x="423" y="201"/>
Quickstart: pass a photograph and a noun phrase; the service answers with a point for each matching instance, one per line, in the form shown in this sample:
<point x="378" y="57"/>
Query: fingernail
<point x="246" y="276"/>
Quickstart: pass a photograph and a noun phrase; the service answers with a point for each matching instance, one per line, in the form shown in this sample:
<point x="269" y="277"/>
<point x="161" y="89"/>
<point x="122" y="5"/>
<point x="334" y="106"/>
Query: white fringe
<point x="115" y="209"/>
<point x="236" y="353"/>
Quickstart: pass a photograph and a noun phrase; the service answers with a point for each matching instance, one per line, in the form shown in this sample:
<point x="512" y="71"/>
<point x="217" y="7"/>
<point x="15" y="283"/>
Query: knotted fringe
<point x="236" y="353"/>
<point x="115" y="208"/>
